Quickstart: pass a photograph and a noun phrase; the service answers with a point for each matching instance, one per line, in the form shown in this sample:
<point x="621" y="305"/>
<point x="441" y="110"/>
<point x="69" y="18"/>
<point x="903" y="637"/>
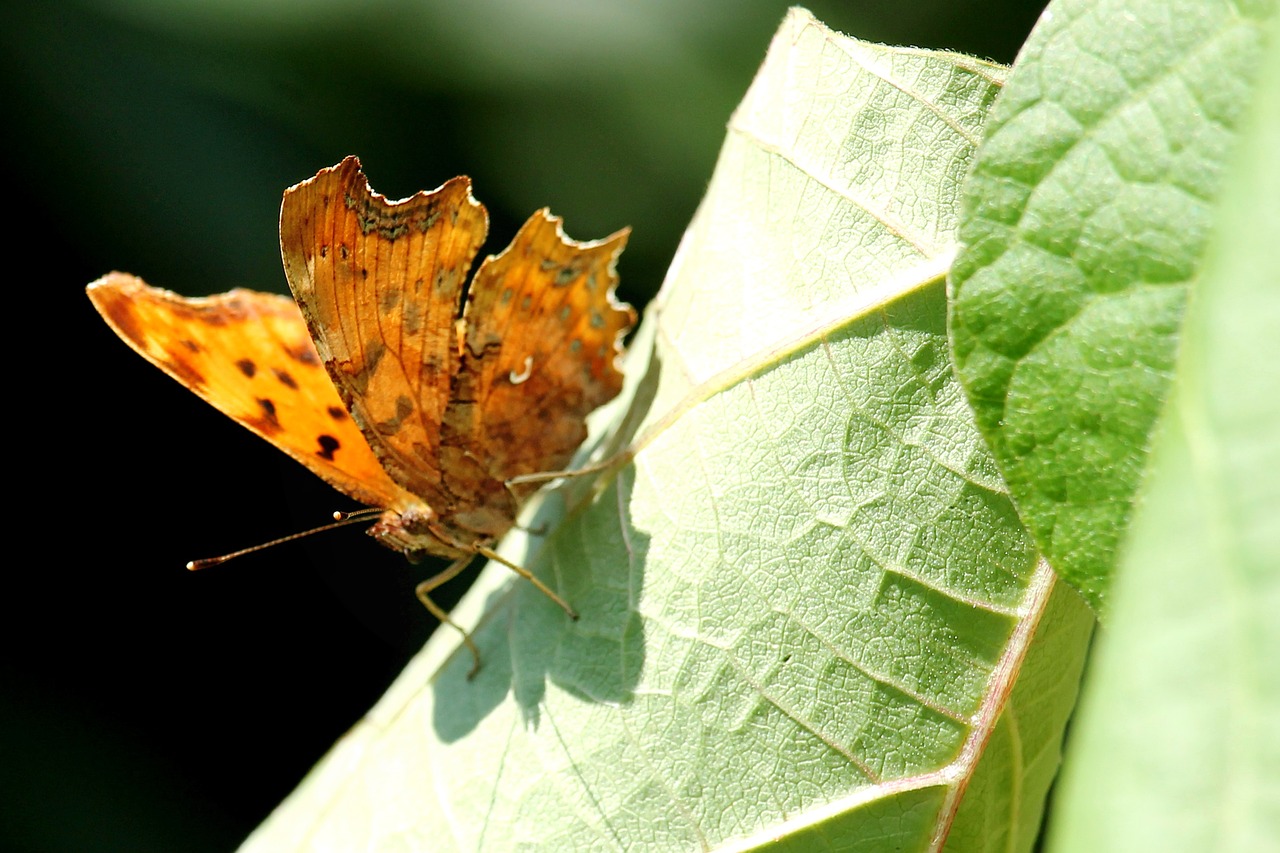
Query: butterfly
<point x="390" y="377"/>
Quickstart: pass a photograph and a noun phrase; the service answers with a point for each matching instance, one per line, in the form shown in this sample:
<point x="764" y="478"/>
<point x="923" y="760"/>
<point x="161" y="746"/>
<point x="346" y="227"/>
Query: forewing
<point x="379" y="283"/>
<point x="543" y="335"/>
<point x="249" y="354"/>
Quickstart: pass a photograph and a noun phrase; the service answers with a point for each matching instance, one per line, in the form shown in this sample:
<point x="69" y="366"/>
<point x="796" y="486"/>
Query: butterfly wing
<point x="543" y="335"/>
<point x="380" y="283"/>
<point x="249" y="354"/>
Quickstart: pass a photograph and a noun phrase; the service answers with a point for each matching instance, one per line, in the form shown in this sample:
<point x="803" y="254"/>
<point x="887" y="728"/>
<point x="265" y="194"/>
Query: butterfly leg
<point x="542" y="478"/>
<point x="423" y="592"/>
<point x="547" y="476"/>
<point x="491" y="554"/>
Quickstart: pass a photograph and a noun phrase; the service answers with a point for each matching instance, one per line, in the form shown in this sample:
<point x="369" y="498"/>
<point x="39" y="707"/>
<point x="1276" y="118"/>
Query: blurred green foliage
<point x="173" y="128"/>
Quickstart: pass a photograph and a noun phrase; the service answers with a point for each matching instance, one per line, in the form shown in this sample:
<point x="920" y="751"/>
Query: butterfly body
<point x="387" y="375"/>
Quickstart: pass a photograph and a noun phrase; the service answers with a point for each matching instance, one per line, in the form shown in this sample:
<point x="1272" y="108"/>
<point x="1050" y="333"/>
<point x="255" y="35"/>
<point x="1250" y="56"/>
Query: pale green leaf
<point x="1179" y="739"/>
<point x="1088" y="213"/>
<point x="810" y="616"/>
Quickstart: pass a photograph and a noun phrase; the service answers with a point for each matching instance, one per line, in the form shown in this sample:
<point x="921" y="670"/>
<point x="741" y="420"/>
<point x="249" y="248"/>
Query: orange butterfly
<point x="386" y="382"/>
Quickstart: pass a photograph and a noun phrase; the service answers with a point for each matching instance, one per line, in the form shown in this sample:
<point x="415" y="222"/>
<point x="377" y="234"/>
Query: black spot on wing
<point x="268" y="410"/>
<point x="303" y="354"/>
<point x="328" y="446"/>
<point x="285" y="379"/>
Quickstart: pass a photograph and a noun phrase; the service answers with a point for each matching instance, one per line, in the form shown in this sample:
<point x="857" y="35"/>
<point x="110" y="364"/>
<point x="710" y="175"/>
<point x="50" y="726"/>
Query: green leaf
<point x="1178" y="745"/>
<point x="1087" y="217"/>
<point x="809" y="614"/>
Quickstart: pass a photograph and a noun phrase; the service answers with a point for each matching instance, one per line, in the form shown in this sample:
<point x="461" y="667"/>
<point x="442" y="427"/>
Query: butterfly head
<point x="415" y="532"/>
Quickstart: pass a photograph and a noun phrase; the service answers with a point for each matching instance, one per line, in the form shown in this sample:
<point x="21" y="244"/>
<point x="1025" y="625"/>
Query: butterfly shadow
<point x="581" y="542"/>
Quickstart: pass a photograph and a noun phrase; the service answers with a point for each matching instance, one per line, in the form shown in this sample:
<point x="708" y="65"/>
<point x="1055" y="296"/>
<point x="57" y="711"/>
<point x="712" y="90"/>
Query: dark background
<point x="148" y="708"/>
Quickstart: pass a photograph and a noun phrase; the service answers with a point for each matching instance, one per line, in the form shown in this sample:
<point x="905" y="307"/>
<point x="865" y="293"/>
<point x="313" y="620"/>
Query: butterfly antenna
<point x="367" y="512"/>
<point x="343" y="519"/>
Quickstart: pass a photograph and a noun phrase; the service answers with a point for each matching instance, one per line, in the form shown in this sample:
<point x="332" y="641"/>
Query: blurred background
<point x="148" y="708"/>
